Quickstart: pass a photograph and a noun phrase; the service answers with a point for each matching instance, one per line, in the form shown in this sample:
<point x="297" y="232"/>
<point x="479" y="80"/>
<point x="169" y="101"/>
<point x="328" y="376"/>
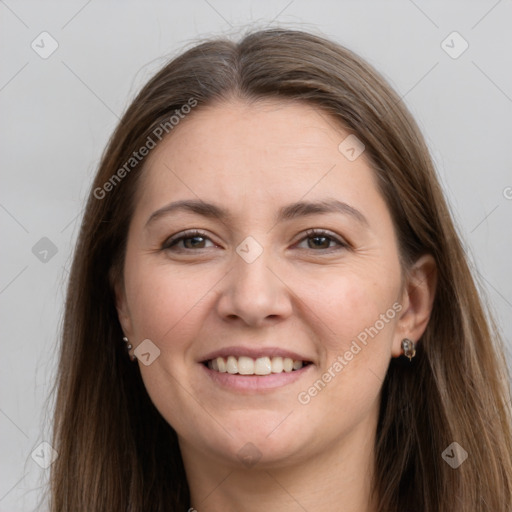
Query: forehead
<point x="259" y="151"/>
<point x="271" y="129"/>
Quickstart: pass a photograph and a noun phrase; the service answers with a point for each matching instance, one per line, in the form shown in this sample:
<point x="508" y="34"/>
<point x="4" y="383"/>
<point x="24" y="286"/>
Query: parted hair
<point x="117" y="453"/>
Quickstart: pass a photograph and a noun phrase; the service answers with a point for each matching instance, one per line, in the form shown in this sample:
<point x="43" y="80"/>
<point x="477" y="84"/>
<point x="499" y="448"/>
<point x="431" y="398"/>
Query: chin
<point x="254" y="445"/>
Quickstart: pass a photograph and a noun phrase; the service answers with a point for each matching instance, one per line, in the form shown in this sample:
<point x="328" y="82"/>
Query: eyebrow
<point x="288" y="212"/>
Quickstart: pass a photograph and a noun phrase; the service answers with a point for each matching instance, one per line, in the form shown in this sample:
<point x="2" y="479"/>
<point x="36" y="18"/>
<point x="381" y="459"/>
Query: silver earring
<point x="408" y="348"/>
<point x="128" y="348"/>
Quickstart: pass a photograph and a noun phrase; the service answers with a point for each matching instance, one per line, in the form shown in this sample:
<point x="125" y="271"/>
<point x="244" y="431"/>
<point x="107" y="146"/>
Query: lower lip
<point x="255" y="383"/>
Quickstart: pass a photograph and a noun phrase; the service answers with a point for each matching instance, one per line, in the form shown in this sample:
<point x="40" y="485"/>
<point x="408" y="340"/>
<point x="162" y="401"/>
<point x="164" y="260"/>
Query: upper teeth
<point x="248" y="366"/>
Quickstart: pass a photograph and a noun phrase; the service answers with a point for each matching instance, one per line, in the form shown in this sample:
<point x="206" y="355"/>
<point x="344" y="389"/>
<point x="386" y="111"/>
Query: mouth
<point x="254" y="369"/>
<point x="249" y="366"/>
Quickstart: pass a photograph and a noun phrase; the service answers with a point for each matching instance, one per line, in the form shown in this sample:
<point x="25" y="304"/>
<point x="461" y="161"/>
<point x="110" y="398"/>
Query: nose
<point x="254" y="293"/>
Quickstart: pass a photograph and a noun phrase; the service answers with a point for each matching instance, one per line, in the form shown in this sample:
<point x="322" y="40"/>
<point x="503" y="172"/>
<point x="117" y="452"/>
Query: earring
<point x="128" y="348"/>
<point x="408" y="348"/>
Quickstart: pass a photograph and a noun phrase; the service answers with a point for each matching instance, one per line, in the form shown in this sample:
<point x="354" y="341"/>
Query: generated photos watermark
<point x="304" y="397"/>
<point x="163" y="129"/>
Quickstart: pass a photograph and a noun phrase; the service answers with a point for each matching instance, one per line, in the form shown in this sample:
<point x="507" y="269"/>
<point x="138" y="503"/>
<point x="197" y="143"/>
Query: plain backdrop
<point x="58" y="111"/>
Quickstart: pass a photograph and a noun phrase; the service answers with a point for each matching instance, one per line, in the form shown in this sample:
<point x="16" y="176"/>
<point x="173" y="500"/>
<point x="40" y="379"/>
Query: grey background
<point x="57" y="114"/>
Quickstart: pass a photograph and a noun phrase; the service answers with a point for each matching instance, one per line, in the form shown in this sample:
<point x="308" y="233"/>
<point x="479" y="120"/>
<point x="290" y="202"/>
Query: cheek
<point x="353" y="306"/>
<point x="165" y="302"/>
<point x="359" y="314"/>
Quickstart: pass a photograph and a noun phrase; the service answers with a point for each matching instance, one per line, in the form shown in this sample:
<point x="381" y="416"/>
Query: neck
<point x="338" y="478"/>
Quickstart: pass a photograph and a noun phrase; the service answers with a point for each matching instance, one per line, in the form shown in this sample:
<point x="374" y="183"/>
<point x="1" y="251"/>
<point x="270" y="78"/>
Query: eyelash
<point x="310" y="233"/>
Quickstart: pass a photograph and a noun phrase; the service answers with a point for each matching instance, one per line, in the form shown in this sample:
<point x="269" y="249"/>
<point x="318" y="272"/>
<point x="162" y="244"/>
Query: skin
<point x="309" y="295"/>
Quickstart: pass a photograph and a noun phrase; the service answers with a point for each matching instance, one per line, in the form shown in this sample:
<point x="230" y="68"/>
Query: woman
<point x="269" y="307"/>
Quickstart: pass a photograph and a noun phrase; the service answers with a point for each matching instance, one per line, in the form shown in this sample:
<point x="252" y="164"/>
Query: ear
<point x="123" y="313"/>
<point x="417" y="300"/>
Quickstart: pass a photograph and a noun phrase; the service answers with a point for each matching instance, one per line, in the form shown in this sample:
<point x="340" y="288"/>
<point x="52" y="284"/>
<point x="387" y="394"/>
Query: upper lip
<point x="254" y="352"/>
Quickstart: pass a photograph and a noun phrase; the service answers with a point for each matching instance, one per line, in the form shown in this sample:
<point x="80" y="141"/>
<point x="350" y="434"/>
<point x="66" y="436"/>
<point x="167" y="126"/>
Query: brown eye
<point x="323" y="240"/>
<point x="319" y="242"/>
<point x="194" y="242"/>
<point x="189" y="241"/>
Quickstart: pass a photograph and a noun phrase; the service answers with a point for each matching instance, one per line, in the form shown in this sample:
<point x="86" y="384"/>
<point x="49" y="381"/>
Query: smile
<point x="244" y="365"/>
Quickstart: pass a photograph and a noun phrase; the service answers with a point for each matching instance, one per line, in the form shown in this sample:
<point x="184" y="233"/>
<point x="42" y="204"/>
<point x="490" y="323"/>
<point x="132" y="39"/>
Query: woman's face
<point x="296" y="258"/>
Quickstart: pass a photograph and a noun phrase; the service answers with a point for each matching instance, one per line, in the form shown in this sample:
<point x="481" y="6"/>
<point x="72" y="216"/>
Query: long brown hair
<point x="117" y="453"/>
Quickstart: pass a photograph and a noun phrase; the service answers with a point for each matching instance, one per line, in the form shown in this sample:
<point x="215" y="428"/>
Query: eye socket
<point x="199" y="238"/>
<point x="193" y="235"/>
<point x="321" y="234"/>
